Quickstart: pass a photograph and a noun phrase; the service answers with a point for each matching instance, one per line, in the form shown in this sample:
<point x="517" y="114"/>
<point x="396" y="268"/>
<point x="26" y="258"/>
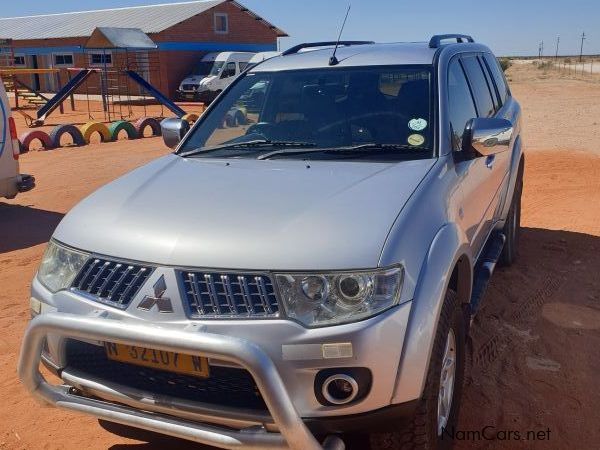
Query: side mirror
<point x="173" y="131"/>
<point x="487" y="136"/>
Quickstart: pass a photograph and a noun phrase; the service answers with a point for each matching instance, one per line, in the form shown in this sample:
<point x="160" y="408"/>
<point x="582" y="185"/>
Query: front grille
<point x="228" y="295"/>
<point x="226" y="386"/>
<point x="111" y="282"/>
<point x="189" y="87"/>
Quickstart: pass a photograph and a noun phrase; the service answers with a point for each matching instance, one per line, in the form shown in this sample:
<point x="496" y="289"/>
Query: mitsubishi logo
<point x="163" y="304"/>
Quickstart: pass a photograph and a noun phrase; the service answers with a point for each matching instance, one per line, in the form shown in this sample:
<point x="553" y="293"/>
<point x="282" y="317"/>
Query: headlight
<point x="334" y="298"/>
<point x="59" y="266"/>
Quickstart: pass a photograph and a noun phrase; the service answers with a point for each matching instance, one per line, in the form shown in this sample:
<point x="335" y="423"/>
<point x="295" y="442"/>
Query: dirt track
<point x="535" y="342"/>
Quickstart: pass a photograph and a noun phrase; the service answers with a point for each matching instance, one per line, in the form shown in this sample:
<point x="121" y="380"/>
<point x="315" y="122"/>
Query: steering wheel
<point x="263" y="128"/>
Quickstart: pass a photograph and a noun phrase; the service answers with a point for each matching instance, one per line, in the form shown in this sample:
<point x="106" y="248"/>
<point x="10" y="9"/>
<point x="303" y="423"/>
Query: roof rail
<point x="436" y="40"/>
<point x="297" y="48"/>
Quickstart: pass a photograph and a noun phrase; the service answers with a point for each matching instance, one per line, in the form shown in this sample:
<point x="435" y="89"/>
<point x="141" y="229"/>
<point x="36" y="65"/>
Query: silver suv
<point x="305" y="272"/>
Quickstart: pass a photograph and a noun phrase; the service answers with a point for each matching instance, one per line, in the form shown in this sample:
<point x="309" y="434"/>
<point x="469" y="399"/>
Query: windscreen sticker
<point x="416" y="140"/>
<point x="417" y="124"/>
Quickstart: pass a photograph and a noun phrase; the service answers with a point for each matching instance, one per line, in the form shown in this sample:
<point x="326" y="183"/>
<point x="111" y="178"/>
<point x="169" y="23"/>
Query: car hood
<point x="246" y="213"/>
<point x="206" y="80"/>
<point x="192" y="80"/>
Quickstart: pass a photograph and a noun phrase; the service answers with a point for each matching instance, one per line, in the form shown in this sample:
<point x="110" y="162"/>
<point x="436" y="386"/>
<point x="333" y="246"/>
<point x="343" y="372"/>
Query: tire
<point x="143" y="122"/>
<point x="88" y="129"/>
<point x="59" y="130"/>
<point x="512" y="227"/>
<point x="422" y="430"/>
<point x="122" y="125"/>
<point x="29" y="136"/>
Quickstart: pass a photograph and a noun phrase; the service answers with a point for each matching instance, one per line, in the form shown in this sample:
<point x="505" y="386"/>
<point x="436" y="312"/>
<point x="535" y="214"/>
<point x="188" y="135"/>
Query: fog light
<point x="340" y="389"/>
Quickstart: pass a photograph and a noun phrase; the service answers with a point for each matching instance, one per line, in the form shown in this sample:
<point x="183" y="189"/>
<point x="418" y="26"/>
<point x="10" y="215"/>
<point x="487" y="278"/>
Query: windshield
<point x="375" y="113"/>
<point x="216" y="67"/>
<point x="203" y="68"/>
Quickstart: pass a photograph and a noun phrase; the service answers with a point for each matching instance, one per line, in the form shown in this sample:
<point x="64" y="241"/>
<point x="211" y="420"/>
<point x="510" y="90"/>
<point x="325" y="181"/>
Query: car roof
<point x="374" y="54"/>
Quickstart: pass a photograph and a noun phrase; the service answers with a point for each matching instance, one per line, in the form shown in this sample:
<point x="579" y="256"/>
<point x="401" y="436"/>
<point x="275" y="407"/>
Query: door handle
<point x="489" y="161"/>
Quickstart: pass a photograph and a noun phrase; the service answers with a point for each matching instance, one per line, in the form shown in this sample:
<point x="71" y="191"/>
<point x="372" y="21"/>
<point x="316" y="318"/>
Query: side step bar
<point x="484" y="268"/>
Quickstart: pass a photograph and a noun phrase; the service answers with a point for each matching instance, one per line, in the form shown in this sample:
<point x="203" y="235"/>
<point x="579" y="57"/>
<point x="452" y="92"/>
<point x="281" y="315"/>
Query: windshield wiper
<point x="360" y="149"/>
<point x="257" y="143"/>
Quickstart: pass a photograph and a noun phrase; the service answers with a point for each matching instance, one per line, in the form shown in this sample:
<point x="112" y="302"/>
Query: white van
<point x="11" y="181"/>
<point x="214" y="72"/>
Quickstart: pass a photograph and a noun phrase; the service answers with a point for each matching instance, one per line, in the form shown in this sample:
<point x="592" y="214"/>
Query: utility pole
<point x="581" y="51"/>
<point x="557" y="42"/>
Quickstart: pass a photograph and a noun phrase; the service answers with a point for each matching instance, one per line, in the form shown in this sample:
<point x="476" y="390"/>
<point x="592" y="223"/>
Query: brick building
<point x="183" y="32"/>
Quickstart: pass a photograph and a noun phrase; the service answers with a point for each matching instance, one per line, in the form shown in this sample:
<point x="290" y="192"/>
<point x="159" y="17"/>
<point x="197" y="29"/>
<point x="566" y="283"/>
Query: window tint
<point x="488" y="78"/>
<point x="229" y="70"/>
<point x="479" y="86"/>
<point x="494" y="66"/>
<point x="326" y="109"/>
<point x="460" y="103"/>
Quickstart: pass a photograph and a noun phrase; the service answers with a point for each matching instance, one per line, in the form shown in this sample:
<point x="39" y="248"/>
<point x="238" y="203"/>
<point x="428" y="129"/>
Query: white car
<point x="11" y="181"/>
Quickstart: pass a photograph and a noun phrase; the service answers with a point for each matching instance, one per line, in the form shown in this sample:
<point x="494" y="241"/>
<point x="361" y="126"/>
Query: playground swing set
<point x="126" y="60"/>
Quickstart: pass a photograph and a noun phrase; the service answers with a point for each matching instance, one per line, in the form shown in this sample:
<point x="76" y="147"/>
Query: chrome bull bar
<point x="293" y="433"/>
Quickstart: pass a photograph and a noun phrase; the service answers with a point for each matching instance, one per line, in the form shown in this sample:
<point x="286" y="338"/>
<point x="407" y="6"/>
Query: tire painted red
<point x="58" y="131"/>
<point x="29" y="136"/>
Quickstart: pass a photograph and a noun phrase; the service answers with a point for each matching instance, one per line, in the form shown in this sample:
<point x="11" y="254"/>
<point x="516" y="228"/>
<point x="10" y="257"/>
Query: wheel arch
<point x="517" y="161"/>
<point x="448" y="264"/>
<point x="461" y="280"/>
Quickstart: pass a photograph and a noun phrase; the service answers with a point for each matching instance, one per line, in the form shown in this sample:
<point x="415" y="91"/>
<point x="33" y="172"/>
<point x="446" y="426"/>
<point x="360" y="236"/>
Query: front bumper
<point x="187" y="95"/>
<point x="293" y="433"/>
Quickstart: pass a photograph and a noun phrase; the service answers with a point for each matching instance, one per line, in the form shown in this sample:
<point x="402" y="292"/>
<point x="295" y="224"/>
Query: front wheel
<point x="437" y="413"/>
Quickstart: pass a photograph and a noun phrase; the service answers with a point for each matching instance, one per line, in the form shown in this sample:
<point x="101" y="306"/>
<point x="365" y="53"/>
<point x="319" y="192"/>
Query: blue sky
<point x="514" y="27"/>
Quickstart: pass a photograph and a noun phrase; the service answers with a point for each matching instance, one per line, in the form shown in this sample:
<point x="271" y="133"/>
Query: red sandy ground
<point x="535" y="342"/>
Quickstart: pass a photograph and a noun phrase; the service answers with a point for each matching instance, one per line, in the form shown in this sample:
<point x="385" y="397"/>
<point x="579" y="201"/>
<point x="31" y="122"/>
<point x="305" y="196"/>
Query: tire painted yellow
<point x="95" y="127"/>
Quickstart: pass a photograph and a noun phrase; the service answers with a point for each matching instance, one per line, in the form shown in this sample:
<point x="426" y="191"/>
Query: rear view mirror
<point x="487" y="136"/>
<point x="173" y="131"/>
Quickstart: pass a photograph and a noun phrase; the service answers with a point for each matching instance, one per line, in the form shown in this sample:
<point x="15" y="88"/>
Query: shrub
<point x="505" y="63"/>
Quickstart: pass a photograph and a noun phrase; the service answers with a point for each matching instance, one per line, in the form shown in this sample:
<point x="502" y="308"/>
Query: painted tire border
<point x="27" y="137"/>
<point x="122" y="125"/>
<point x="190" y="117"/>
<point x="95" y="127"/>
<point x="59" y="130"/>
<point x="143" y="122"/>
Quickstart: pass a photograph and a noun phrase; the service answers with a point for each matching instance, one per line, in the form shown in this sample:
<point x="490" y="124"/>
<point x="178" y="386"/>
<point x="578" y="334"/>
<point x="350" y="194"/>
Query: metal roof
<point x="150" y="19"/>
<point x="110" y="37"/>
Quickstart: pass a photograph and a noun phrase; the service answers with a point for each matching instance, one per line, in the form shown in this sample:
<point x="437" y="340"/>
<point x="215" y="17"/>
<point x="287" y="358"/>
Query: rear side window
<point x="492" y="88"/>
<point x="498" y="76"/>
<point x="461" y="108"/>
<point x="479" y="86"/>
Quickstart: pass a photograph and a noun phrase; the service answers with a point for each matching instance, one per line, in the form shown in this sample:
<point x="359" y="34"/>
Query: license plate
<point x="157" y="359"/>
<point x="190" y="96"/>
